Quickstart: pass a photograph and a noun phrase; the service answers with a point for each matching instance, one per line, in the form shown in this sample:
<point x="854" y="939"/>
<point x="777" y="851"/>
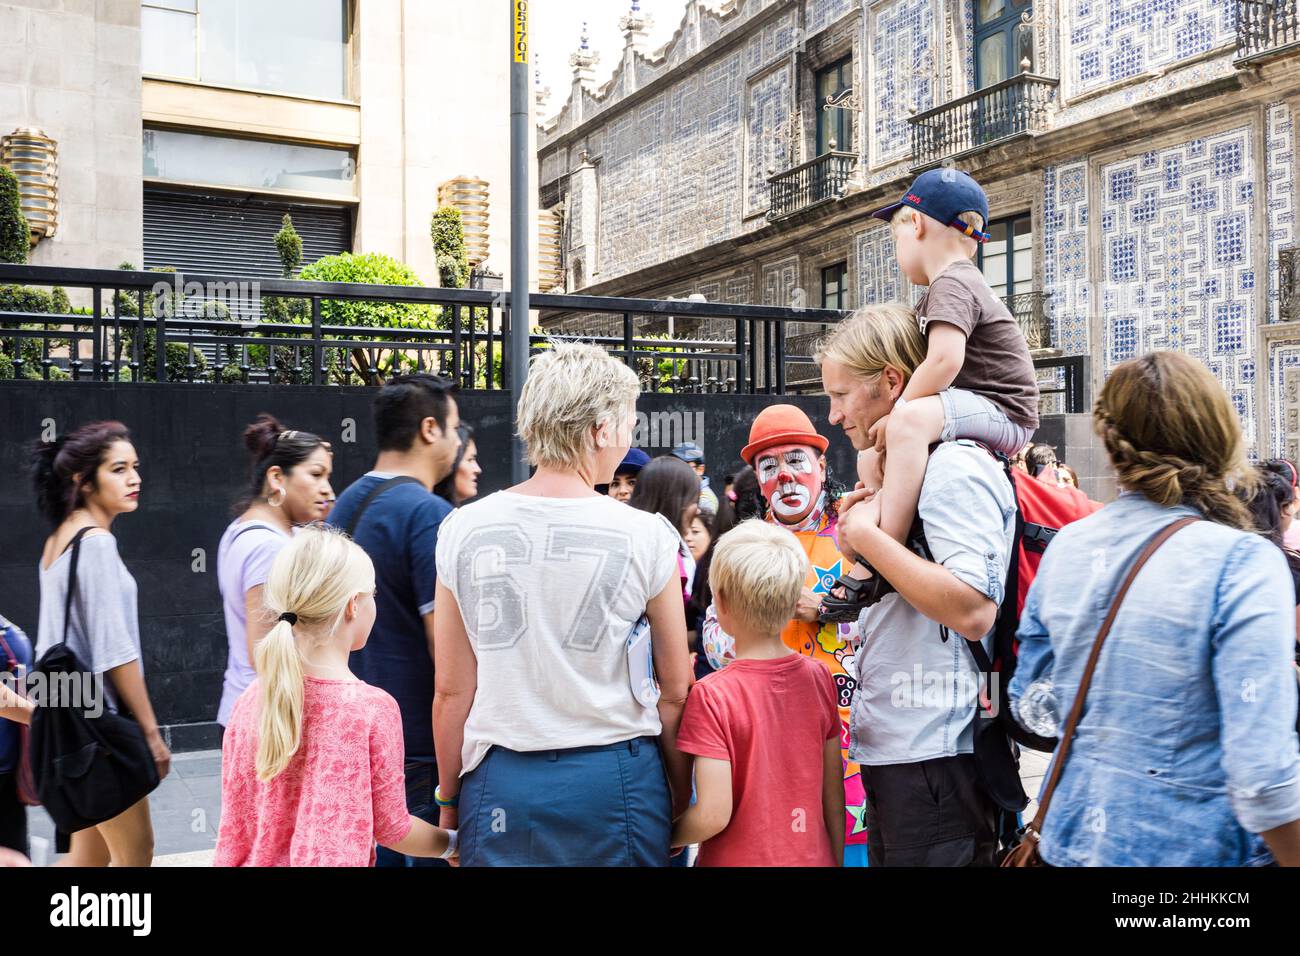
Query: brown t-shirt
<point x="997" y="364"/>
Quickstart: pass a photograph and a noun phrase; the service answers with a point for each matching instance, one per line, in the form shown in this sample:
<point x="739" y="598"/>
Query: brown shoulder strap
<point x="1076" y="712"/>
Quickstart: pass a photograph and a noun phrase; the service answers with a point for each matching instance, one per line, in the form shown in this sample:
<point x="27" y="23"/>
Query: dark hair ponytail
<point x="55" y="465"/>
<point x="270" y="444"/>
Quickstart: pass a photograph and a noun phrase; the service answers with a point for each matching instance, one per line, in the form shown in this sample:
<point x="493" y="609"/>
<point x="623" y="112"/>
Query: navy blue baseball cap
<point x="943" y="194"/>
<point x="632" y="462"/>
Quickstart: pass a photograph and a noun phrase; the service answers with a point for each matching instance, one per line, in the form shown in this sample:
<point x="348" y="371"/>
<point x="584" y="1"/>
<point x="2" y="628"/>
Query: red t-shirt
<point x="771" y="719"/>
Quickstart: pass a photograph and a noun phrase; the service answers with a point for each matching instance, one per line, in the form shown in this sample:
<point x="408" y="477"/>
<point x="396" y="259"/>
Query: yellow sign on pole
<point x="521" y="31"/>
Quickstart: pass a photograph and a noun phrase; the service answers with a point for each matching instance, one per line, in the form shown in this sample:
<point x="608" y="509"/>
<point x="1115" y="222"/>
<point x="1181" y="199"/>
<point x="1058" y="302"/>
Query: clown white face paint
<point x="790" y="480"/>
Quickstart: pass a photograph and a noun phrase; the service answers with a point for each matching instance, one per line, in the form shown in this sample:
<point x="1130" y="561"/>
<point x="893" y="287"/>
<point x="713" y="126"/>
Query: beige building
<point x="185" y="129"/>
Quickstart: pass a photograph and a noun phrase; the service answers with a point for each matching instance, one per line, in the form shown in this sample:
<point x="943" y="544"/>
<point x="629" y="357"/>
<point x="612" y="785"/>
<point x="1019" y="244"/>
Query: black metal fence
<point x="174" y="327"/>
<point x="1014" y="107"/>
<point x="820" y="179"/>
<point x="1265" y="27"/>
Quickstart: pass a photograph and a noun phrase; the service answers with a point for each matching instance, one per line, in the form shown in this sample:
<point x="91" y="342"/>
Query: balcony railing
<point x="1266" y="27"/>
<point x="820" y="179"/>
<point x="1030" y="310"/>
<point x="1014" y="107"/>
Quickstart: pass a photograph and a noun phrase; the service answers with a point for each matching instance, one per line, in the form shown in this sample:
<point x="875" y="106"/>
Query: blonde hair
<point x="759" y="571"/>
<point x="904" y="214"/>
<point x="1174" y="437"/>
<point x="873" y="337"/>
<point x="571" y="387"/>
<point x="314" y="577"/>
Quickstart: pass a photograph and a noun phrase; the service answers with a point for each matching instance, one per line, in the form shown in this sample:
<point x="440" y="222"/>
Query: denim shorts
<point x="587" y="806"/>
<point x="972" y="416"/>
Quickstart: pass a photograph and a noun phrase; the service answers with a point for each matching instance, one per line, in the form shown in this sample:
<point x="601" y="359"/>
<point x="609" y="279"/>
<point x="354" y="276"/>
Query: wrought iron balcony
<point x="1014" y="107"/>
<point x="1266" y="28"/>
<point x="1030" y="310"/>
<point x="818" y="180"/>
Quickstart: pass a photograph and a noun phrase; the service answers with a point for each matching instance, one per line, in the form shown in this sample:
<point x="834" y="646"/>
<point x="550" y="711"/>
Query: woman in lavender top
<point x="289" y="485"/>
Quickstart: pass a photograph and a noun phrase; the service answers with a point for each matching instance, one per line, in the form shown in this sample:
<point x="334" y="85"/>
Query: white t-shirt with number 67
<point x="550" y="590"/>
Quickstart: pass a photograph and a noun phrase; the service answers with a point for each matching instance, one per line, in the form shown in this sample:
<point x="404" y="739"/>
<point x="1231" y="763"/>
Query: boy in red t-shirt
<point x="765" y="731"/>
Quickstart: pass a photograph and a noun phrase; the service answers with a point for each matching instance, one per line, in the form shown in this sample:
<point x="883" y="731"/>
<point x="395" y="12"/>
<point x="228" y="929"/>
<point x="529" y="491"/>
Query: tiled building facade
<point x="1139" y="157"/>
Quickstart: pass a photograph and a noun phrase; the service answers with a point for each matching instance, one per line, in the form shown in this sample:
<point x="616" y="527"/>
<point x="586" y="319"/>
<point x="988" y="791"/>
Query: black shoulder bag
<point x="87" y="769"/>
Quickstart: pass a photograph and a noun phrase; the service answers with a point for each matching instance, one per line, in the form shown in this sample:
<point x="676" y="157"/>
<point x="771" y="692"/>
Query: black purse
<point x="86" y="769"/>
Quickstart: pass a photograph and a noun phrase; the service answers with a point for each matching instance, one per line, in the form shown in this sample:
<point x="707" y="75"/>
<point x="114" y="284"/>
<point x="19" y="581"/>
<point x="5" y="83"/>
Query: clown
<point x="788" y="459"/>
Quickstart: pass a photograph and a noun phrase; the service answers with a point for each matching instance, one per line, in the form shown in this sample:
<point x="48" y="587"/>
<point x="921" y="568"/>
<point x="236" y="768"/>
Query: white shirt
<point x="549" y="590"/>
<point x="916" y="692"/>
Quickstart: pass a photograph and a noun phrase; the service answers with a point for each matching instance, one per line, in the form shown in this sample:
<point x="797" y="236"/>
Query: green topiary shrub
<point x="448" y="234"/>
<point x="289" y="246"/>
<point x="18" y="298"/>
<point x="15" y="236"/>
<point x="377" y="269"/>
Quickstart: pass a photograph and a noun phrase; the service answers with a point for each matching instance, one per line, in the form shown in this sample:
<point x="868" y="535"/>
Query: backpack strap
<point x="252" y="526"/>
<point x="11" y="659"/>
<point x="75" y="545"/>
<point x="1035" y="829"/>
<point x="375" y="493"/>
<point x="1036" y="537"/>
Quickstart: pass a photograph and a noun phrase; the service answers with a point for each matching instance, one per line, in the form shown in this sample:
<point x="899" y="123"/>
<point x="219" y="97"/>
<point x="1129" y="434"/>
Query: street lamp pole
<point x="520" y="203"/>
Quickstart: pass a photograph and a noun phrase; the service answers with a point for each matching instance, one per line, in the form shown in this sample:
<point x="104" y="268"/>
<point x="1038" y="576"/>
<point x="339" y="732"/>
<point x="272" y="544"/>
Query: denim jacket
<point x="1187" y="748"/>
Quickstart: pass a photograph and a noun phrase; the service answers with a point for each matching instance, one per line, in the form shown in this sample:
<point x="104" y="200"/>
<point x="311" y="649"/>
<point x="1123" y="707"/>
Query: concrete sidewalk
<point x="186" y="809"/>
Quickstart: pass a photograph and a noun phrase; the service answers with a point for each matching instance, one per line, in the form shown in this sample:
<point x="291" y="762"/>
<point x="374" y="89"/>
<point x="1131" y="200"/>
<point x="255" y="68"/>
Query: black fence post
<point x="97" y="331"/>
<point x="627" y="341"/>
<point x="317" y="347"/>
<point x="160" y="340"/>
<point x="740" y="356"/>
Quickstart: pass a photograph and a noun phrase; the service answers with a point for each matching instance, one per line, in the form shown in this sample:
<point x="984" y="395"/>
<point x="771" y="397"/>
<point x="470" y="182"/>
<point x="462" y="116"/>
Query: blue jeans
<point x="421" y="778"/>
<point x="587" y="806"/>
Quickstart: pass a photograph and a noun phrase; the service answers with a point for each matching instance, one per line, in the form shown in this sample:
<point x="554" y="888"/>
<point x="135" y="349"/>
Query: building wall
<point x="72" y="69"/>
<point x="1162" y="188"/>
<point x="431" y="102"/>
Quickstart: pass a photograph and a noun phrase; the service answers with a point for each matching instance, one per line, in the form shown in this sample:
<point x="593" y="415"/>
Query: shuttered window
<point x="235" y="235"/>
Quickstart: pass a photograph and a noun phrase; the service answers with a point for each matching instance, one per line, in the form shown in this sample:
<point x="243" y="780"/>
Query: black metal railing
<point x="137" y="329"/>
<point x="1266" y="27"/>
<point x="1014" y="107"/>
<point x="818" y="180"/>
<point x="1030" y="311"/>
<point x="1061" y="385"/>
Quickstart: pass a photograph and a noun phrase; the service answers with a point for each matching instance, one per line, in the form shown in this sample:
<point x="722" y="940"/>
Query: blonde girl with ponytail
<point x="312" y="761"/>
<point x="1187" y="748"/>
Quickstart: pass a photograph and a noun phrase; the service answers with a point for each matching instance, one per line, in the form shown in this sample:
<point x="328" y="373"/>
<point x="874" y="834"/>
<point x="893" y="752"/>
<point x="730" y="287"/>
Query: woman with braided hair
<point x="1186" y="753"/>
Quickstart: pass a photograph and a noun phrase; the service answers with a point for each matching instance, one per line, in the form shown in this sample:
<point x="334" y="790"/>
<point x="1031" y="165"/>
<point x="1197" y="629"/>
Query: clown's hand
<point x="809" y="606"/>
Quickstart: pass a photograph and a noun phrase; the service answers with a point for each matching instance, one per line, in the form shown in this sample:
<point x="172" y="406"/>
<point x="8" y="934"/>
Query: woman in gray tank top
<point x="84" y="480"/>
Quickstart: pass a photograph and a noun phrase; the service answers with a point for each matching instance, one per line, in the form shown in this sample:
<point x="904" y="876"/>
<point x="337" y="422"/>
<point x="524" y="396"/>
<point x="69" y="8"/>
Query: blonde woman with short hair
<point x="552" y="735"/>
<point x="312" y="761"/>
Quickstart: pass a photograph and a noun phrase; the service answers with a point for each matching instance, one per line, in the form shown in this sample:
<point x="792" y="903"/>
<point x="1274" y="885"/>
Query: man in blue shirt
<point x="392" y="513"/>
<point x="15" y="662"/>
